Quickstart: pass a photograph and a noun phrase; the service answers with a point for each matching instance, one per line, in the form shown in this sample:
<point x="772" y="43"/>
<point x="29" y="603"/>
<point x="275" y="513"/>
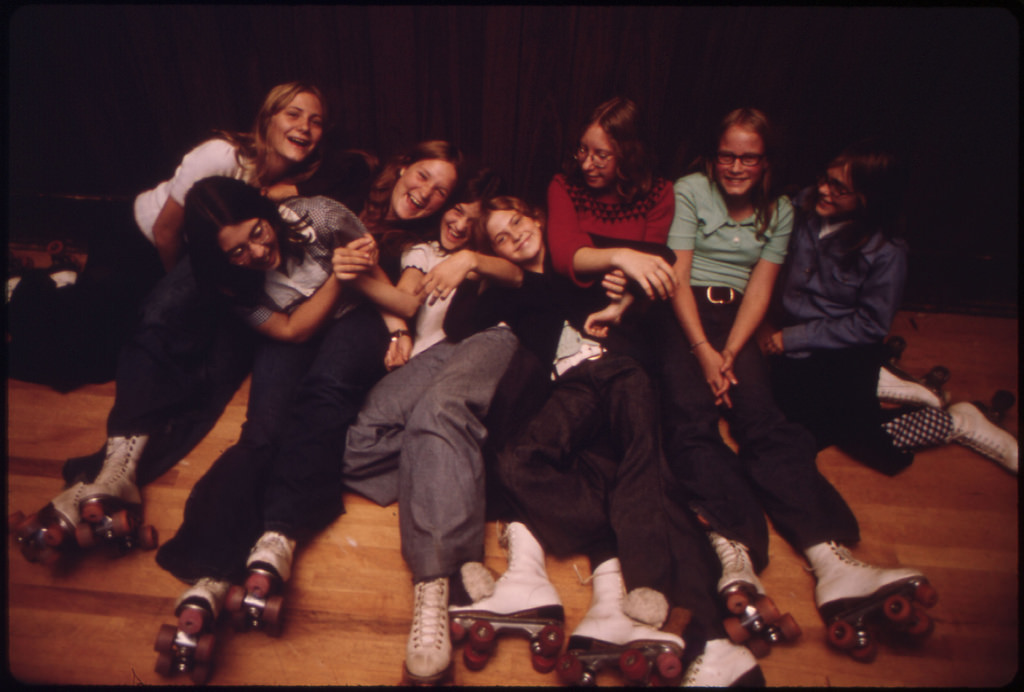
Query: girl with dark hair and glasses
<point x="730" y="235"/>
<point x="840" y="290"/>
<point x="320" y="348"/>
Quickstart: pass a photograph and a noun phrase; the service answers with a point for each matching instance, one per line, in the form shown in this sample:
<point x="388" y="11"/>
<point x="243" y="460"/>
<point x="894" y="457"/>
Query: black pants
<point x="587" y="475"/>
<point x="834" y="394"/>
<point x="774" y="471"/>
<point x="285" y="473"/>
<point x="184" y="361"/>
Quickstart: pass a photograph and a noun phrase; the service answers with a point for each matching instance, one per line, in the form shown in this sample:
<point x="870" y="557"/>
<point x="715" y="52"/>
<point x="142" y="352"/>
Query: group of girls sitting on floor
<point x="457" y="350"/>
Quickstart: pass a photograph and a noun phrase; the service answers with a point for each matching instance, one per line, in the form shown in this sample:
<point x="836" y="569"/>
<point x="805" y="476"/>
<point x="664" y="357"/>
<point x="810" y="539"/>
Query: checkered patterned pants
<point x="925" y="427"/>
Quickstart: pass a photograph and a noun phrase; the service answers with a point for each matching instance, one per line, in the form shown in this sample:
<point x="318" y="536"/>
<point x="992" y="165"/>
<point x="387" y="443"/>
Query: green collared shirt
<point x="724" y="251"/>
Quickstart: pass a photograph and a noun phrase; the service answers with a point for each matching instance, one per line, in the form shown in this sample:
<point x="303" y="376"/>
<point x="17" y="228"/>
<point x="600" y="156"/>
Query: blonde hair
<point x="251" y="150"/>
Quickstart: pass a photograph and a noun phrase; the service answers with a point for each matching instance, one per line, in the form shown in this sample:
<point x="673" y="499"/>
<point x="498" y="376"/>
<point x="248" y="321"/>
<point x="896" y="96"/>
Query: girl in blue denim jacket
<point x="840" y="290"/>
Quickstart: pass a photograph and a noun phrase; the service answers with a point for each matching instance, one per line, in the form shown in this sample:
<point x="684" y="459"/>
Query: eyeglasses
<point x="598" y="158"/>
<point x="727" y="158"/>
<point x="259" y="236"/>
<point x="835" y="188"/>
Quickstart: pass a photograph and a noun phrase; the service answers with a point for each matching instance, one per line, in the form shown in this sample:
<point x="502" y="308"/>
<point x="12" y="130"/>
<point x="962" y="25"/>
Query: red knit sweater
<point x="575" y="214"/>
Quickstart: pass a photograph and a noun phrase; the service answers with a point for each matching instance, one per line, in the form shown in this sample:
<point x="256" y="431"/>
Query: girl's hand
<point x="280" y="191"/>
<point x="398" y="352"/>
<point x="598" y="322"/>
<point x="440" y="281"/>
<point x="654" y="274"/>
<point x="614" y="284"/>
<point x="728" y="358"/>
<point x="711" y="363"/>
<point x="770" y="341"/>
<point x="356" y="258"/>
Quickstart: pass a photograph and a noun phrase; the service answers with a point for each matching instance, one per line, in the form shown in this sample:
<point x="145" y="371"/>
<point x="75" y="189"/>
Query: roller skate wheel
<point x="919" y="624"/>
<point x="233" y="601"/>
<point x="897" y="608"/>
<point x="192" y="619"/>
<point x="633" y="665"/>
<point x="259" y="584"/>
<point x="53" y="535"/>
<point x="164" y="664"/>
<point x="474" y="659"/>
<point x="482" y="636"/>
<point x="549" y="642"/>
<point x="458" y="632"/>
<point x="147" y="537"/>
<point x="736" y="602"/>
<point x="865" y="653"/>
<point x="570" y="669"/>
<point x="736" y="631"/>
<point x="842" y="635"/>
<point x="204" y="647"/>
<point x="926" y="595"/>
<point x="121" y="524"/>
<point x="92" y="511"/>
<point x="543" y="664"/>
<point x="54" y="247"/>
<point x="272" y="616"/>
<point x="165" y="639"/>
<point x="84" y="535"/>
<point x="668" y="665"/>
<point x="766" y="609"/>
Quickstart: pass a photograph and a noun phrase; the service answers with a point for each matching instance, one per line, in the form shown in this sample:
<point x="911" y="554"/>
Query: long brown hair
<point x="763" y="195"/>
<point x="619" y="117"/>
<point x="392" y="236"/>
<point x="251" y="147"/>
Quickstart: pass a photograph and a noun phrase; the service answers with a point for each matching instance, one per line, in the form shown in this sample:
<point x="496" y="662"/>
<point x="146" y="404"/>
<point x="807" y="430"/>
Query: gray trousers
<point x="418" y="440"/>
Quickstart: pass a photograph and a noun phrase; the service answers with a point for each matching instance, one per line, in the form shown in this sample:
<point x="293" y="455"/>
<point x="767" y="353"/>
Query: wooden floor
<point x="953" y="514"/>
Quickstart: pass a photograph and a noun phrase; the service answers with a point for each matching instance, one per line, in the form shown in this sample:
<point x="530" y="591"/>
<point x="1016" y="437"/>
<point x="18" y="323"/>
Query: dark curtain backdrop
<point x="105" y="100"/>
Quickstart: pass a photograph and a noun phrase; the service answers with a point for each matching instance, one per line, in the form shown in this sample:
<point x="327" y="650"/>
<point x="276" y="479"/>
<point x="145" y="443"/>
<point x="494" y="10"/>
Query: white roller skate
<point x="899" y="390"/>
<point x="188" y="647"/>
<point x="428" y="653"/>
<point x="973" y="429"/>
<point x="111" y="506"/>
<point x="858" y="601"/>
<point x="757" y="622"/>
<point x="724" y="664"/>
<point x="610" y="635"/>
<point x="523" y="601"/>
<point x="258" y="604"/>
<point x="44" y="535"/>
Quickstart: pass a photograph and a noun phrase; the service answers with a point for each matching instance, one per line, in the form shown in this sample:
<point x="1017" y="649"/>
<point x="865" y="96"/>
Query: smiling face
<point x="517" y="238"/>
<point x="737" y="179"/>
<point x="421" y="189"/>
<point x="251" y="244"/>
<point x="597" y="159"/>
<point x="295" y="130"/>
<point x="456" y="225"/>
<point x="836" y="196"/>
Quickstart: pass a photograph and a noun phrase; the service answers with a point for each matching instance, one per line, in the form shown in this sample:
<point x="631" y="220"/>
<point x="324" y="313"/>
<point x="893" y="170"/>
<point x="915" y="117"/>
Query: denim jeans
<point x="774" y="471"/>
<point x="419" y="440"/>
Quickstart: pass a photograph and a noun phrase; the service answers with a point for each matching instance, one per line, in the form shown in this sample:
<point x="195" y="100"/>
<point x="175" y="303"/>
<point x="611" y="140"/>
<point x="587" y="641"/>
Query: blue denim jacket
<point x="827" y="306"/>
